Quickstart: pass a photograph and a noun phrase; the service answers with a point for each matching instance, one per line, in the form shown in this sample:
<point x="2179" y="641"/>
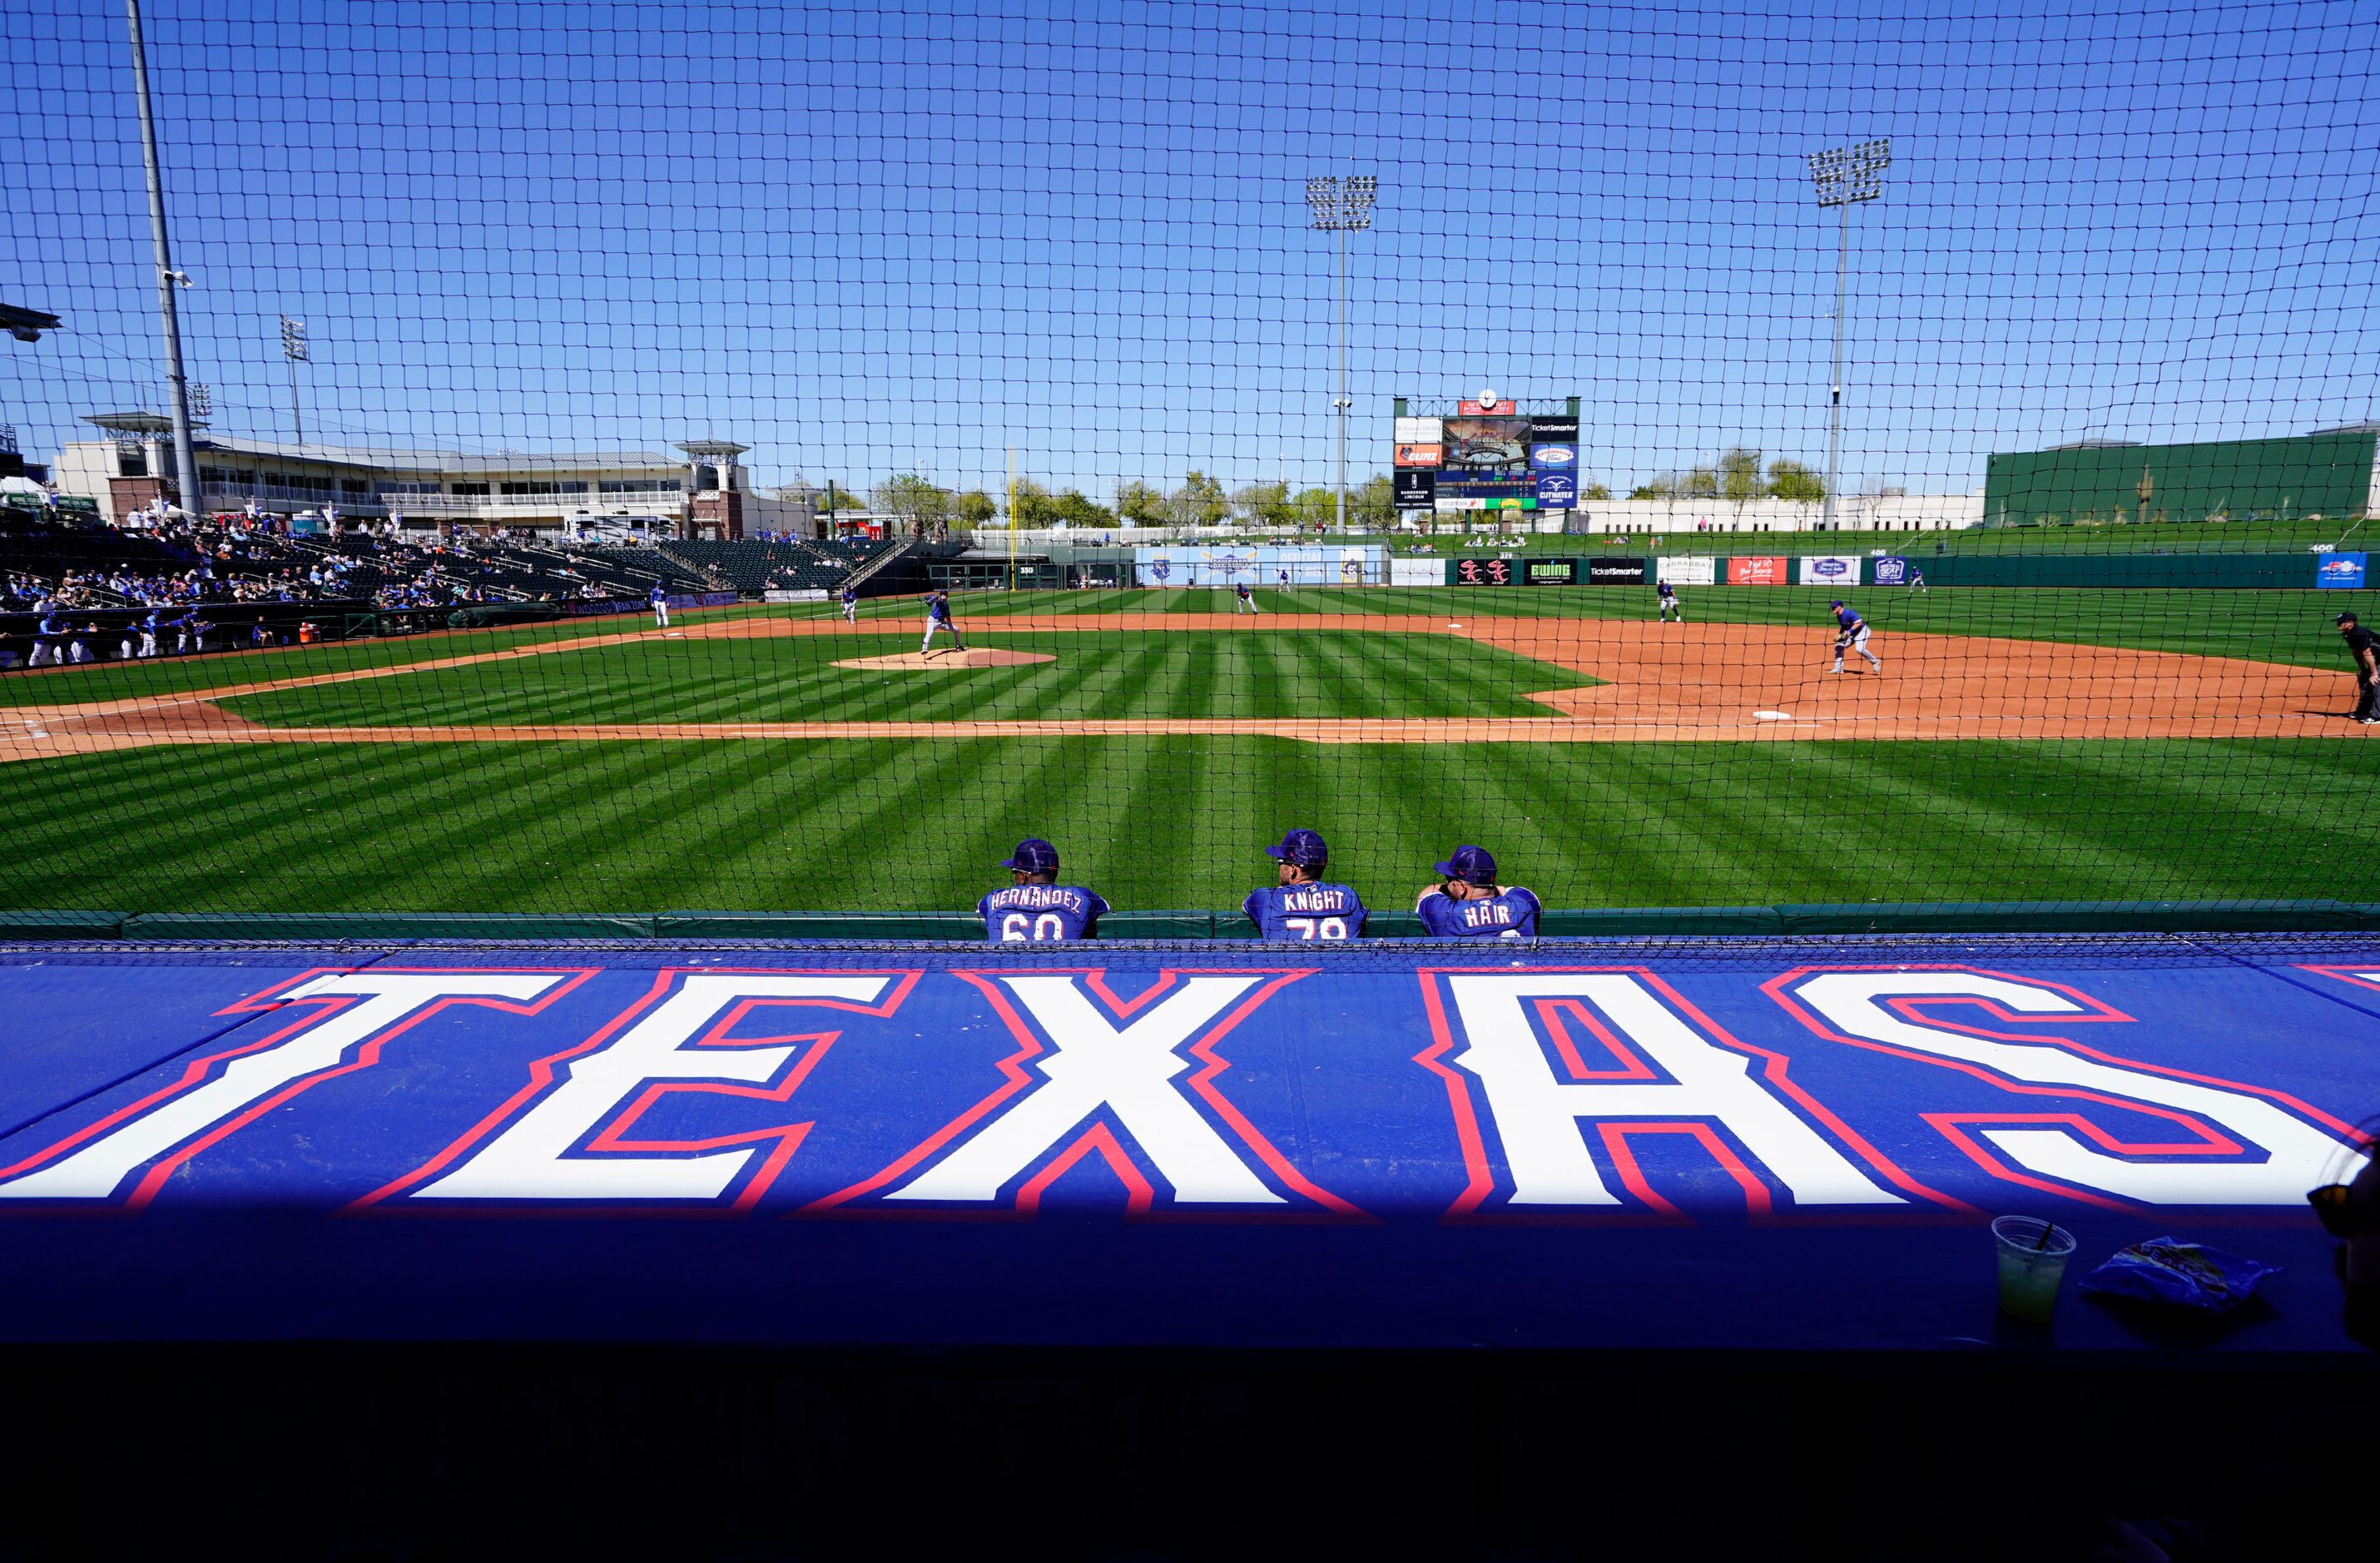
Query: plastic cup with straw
<point x="2033" y="1255"/>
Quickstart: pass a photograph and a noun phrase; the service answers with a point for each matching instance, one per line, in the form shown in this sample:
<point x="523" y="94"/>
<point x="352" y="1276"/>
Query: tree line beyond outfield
<point x="1200" y="500"/>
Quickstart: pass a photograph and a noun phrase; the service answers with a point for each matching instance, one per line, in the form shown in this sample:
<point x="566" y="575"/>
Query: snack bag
<point x="2178" y="1275"/>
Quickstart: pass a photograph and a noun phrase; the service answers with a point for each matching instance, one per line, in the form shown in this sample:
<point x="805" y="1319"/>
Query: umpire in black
<point x="2364" y="647"/>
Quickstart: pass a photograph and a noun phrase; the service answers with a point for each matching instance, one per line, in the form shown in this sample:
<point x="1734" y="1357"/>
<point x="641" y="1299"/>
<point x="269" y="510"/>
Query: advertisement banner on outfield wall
<point x="1483" y="572"/>
<point x="1420" y="431"/>
<point x="1615" y="571"/>
<point x="1767" y="570"/>
<point x="1304" y="563"/>
<point x="1890" y="570"/>
<point x="1416" y="572"/>
<point x="1830" y="569"/>
<point x="1686" y="569"/>
<point x="2339" y="572"/>
<point x="806" y="594"/>
<point x="1549" y="572"/>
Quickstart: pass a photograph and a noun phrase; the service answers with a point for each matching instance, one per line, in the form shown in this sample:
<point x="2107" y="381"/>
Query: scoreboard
<point x="1487" y="455"/>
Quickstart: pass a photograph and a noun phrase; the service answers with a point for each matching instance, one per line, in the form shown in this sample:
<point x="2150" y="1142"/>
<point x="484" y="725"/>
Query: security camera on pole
<point x="1845" y="176"/>
<point x="1342" y="207"/>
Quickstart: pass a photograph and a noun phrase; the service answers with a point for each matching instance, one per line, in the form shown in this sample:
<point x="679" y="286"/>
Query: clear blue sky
<point x="866" y="239"/>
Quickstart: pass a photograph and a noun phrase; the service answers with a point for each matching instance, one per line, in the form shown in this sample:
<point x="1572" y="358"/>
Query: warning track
<point x="1661" y="683"/>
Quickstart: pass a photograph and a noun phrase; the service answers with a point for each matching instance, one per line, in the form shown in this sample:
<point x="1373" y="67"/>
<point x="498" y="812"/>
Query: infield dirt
<point x="1660" y="683"/>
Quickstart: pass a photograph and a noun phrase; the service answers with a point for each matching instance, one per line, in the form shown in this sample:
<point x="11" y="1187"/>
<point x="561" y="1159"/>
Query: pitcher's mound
<point x="973" y="656"/>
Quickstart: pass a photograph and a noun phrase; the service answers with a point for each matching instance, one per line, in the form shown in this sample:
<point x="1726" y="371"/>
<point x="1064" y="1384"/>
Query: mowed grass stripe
<point x="172" y="675"/>
<point x="2290" y="626"/>
<point x="886" y="825"/>
<point x="796" y="679"/>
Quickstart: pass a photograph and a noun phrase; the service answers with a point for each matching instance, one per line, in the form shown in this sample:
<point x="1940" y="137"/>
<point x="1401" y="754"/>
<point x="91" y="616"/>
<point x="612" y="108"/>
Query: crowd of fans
<point x="173" y="565"/>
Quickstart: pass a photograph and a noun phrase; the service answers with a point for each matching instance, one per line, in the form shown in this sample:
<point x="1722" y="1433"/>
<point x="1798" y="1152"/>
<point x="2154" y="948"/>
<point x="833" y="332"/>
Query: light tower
<point x="1343" y="206"/>
<point x="295" y="348"/>
<point x="186" y="459"/>
<point x="1844" y="176"/>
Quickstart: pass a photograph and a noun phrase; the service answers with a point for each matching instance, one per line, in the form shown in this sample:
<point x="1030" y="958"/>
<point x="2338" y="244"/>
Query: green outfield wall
<point x="2271" y="572"/>
<point x="2307" y="475"/>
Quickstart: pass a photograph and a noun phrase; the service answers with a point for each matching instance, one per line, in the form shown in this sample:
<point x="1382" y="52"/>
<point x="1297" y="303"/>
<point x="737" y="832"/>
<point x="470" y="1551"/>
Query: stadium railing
<point x="1197" y="925"/>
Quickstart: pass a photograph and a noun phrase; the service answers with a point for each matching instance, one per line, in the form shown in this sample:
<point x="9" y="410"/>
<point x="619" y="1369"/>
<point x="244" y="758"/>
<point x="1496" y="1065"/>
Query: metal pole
<point x="1835" y="414"/>
<point x="186" y="459"/>
<point x="296" y="414"/>
<point x="1341" y="401"/>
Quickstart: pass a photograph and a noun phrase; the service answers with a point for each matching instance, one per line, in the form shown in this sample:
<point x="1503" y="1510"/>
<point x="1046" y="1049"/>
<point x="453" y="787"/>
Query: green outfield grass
<point x="1095" y="675"/>
<point x="2267" y="626"/>
<point x="174" y="675"/>
<point x="888" y="825"/>
<point x="893" y="825"/>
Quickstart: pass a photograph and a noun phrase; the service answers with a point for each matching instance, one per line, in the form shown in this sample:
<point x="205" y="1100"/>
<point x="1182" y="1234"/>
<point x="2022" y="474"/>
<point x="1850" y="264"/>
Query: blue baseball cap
<point x="1471" y="864"/>
<point x="1302" y="847"/>
<point x="1034" y="855"/>
<point x="1836" y="604"/>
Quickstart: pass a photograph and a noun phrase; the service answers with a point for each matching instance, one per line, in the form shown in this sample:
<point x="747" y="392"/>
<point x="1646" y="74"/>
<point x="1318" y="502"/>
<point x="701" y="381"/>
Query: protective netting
<point x="553" y="370"/>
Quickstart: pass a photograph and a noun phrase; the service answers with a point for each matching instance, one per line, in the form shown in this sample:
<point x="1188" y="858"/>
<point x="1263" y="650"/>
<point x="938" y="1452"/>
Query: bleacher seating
<point x="208" y="561"/>
<point x="753" y="566"/>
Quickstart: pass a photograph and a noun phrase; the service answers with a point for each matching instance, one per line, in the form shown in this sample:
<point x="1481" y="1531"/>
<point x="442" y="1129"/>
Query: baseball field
<point x="2018" y="745"/>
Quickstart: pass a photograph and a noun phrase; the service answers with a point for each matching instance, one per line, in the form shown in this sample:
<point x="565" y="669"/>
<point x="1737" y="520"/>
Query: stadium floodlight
<point x="186" y="455"/>
<point x="1343" y="206"/>
<point x="294" y="349"/>
<point x="1844" y="176"/>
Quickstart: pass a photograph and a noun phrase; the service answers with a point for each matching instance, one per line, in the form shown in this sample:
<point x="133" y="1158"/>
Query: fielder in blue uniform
<point x="1037" y="909"/>
<point x="1850" y="630"/>
<point x="1302" y="908"/>
<point x="850" y="605"/>
<point x="1670" y="603"/>
<point x="1467" y="903"/>
<point x="938" y="616"/>
<point x="659" y="599"/>
<point x="47" y="636"/>
<point x="1244" y="601"/>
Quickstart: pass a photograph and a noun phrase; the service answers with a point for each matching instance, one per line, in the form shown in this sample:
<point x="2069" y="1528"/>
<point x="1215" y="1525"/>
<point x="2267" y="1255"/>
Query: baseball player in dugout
<point x="1303" y="907"/>
<point x="1035" y="908"/>
<point x="1467" y="903"/>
